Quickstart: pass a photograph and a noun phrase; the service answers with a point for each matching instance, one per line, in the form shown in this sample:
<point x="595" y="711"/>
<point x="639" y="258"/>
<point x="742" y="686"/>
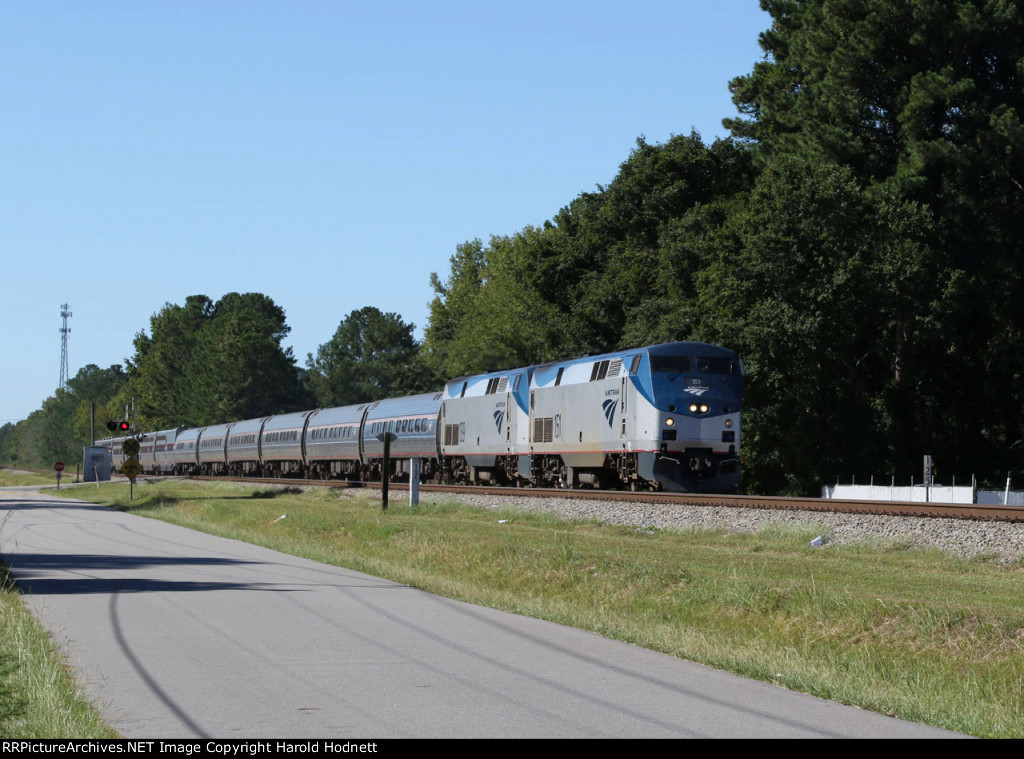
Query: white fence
<point x="907" y="493"/>
<point x="921" y="494"/>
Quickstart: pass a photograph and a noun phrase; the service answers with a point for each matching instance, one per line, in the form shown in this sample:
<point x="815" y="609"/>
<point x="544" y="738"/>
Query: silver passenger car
<point x="212" y="449"/>
<point x="333" y="442"/>
<point x="281" y="444"/>
<point x="413" y="422"/>
<point x="156" y="451"/>
<point x="184" y="458"/>
<point x="243" y="447"/>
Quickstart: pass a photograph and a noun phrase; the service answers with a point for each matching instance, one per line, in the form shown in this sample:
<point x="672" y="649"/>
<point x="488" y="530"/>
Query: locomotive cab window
<point x="716" y="365"/>
<point x="671" y="364"/>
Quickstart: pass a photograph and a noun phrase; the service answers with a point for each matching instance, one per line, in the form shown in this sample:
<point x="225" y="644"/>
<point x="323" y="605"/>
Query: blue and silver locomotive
<point x="662" y="417"/>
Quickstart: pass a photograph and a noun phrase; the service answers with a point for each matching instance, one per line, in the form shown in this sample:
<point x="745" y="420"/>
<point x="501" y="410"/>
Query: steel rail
<point x="781" y="503"/>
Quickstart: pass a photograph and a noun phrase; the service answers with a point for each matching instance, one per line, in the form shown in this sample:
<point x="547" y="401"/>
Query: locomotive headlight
<point x="693" y="408"/>
<point x="670" y="422"/>
<point x="728" y="423"/>
<point x="703" y="408"/>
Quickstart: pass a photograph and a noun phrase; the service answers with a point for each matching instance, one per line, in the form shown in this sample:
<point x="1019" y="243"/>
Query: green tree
<point x="923" y="92"/>
<point x="452" y="301"/>
<point x="507" y="323"/>
<point x="372" y="355"/>
<point x="830" y="295"/>
<point x="238" y="368"/>
<point x="61" y="427"/>
<point x="9" y="443"/>
<point x="159" y="370"/>
<point x="611" y="262"/>
<point x="92" y="390"/>
<point x="46" y="436"/>
<point x="921" y="101"/>
<point x="207" y="363"/>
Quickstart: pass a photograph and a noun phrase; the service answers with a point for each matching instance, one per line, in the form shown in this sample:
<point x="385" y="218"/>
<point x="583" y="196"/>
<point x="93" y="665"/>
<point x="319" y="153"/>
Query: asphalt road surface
<point x="177" y="634"/>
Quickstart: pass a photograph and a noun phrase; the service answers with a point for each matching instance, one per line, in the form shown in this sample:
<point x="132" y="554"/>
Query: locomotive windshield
<point x="704" y="364"/>
<point x="716" y="365"/>
<point x="674" y="364"/>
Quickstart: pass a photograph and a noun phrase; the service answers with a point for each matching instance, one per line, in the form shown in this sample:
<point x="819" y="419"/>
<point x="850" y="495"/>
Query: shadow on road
<point x="34" y="573"/>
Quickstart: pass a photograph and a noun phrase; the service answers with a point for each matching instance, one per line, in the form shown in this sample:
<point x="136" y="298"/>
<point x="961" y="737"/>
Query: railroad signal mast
<point x="131" y="468"/>
<point x="124" y="425"/>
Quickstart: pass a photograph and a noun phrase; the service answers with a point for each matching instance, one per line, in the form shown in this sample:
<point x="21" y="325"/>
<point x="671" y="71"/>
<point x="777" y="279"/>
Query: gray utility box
<point x="96" y="464"/>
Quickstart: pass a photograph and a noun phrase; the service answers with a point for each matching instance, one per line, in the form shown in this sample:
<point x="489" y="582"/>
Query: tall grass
<point x="38" y="694"/>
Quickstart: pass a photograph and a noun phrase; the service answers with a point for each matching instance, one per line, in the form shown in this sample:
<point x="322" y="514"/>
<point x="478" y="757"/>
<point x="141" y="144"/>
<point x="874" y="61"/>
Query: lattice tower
<point x="65" y="330"/>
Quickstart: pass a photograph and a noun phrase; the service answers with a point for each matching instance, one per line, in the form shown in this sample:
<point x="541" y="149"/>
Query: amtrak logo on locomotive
<point x="697" y="386"/>
<point x="609" y="410"/>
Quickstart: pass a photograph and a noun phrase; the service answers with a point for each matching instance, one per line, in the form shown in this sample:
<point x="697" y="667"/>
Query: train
<point x="661" y="417"/>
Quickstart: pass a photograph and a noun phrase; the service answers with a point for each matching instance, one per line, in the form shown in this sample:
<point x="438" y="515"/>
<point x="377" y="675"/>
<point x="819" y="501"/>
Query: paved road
<point x="177" y="634"/>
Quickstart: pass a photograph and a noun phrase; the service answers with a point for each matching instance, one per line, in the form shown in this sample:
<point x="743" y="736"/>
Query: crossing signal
<point x="121" y="426"/>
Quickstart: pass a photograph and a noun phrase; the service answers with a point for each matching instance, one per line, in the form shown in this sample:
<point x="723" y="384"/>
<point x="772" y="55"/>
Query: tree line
<point x="208" y="362"/>
<point x="856" y="239"/>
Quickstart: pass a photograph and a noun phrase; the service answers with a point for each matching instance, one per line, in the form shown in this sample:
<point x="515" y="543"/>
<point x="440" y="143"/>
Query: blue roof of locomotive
<point x="650" y="384"/>
<point x="453" y="388"/>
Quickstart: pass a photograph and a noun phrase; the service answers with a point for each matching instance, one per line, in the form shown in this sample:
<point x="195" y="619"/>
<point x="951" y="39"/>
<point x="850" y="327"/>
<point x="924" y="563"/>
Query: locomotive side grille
<point x="497" y="385"/>
<point x="451" y="434"/>
<point x="607" y="368"/>
<point x="543" y="429"/>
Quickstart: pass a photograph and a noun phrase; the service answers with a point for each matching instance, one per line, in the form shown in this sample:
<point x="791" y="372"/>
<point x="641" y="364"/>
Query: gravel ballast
<point x="1004" y="541"/>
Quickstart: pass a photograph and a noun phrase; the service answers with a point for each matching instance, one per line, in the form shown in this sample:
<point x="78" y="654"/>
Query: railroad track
<point x="778" y="503"/>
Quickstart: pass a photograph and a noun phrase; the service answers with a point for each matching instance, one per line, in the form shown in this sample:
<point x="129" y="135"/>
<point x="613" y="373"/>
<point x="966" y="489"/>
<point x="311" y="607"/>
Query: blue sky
<point x="328" y="153"/>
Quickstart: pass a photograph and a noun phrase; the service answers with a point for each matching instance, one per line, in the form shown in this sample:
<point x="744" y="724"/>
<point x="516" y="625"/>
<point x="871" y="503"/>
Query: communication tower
<point x="65" y="330"/>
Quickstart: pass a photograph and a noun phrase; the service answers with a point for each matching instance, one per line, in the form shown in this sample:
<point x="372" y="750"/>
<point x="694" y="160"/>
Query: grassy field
<point x="15" y="477"/>
<point x="916" y="634"/>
